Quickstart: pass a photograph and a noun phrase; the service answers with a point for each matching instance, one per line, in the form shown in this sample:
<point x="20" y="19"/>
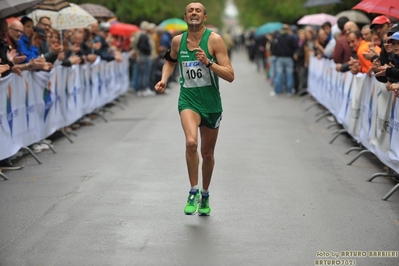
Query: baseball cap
<point x="395" y="28"/>
<point x="395" y="37"/>
<point x="379" y="21"/>
<point x="40" y="31"/>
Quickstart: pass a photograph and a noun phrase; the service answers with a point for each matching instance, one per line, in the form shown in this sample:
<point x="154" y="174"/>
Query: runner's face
<point x="195" y="14"/>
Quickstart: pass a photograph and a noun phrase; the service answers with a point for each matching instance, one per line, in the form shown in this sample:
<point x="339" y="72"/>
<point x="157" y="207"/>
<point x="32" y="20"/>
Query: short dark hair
<point x="327" y="23"/>
<point x="357" y="33"/>
<point x="26" y="19"/>
<point x="341" y="22"/>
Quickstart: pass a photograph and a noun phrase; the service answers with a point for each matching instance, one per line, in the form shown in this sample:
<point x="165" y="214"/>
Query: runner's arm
<point x="168" y="67"/>
<point x="223" y="68"/>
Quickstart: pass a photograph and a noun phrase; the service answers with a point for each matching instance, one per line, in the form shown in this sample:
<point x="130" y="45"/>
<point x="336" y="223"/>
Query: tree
<point x="156" y="11"/>
<point x="256" y="13"/>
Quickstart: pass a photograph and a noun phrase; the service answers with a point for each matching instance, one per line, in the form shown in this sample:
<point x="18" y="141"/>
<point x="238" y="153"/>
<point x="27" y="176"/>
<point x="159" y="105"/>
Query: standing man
<point x="202" y="57"/>
<point x="285" y="46"/>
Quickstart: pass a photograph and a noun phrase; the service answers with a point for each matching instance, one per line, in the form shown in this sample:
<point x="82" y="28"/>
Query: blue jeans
<point x="145" y="67"/>
<point x="284" y="66"/>
<point x="135" y="76"/>
<point x="272" y="70"/>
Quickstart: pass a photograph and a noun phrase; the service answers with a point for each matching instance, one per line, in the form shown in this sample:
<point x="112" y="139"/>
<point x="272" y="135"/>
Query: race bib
<point x="195" y="74"/>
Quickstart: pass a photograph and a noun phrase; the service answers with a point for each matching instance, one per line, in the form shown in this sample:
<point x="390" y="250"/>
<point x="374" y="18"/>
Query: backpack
<point x="143" y="44"/>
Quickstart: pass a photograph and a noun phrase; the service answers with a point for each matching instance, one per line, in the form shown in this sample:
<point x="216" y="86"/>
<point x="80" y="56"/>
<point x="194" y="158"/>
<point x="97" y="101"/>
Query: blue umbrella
<point x="268" y="28"/>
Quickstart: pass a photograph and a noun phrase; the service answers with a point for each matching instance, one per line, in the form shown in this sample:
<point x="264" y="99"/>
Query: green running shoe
<point x="192" y="202"/>
<point x="204" y="209"/>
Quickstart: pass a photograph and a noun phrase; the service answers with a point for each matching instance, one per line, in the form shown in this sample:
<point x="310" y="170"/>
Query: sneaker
<point x="45" y="146"/>
<point x="204" y="209"/>
<point x="272" y="93"/>
<point x="37" y="148"/>
<point x="47" y="141"/>
<point x="8" y="165"/>
<point x="149" y="92"/>
<point x="192" y="202"/>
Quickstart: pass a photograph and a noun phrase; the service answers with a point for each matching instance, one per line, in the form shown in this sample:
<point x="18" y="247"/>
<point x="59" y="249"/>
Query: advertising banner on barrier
<point x="362" y="105"/>
<point x="34" y="106"/>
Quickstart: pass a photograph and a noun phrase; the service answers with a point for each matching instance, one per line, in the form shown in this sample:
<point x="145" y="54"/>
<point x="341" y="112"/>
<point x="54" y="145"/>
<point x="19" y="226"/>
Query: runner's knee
<point x="191" y="145"/>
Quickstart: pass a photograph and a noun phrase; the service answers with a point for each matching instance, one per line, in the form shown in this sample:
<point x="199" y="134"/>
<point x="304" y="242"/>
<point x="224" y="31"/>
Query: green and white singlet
<point x="199" y="86"/>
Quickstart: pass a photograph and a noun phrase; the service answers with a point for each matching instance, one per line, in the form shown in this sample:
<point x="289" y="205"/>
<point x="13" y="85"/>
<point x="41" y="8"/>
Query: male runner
<point x="202" y="58"/>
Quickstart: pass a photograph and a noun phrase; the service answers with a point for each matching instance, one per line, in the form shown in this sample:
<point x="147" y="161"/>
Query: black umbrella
<point x="311" y="3"/>
<point x="10" y="7"/>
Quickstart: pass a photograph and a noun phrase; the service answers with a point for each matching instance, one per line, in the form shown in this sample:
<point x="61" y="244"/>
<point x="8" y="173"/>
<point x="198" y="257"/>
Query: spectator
<point x="25" y="44"/>
<point x="391" y="59"/>
<point x="301" y="57"/>
<point x="260" y="52"/>
<point x="329" y="50"/>
<point x="228" y="40"/>
<point x="342" y="51"/>
<point x="28" y="25"/>
<point x="391" y="71"/>
<point x="100" y="44"/>
<point x="49" y="53"/>
<point x="284" y="49"/>
<point x="366" y="33"/>
<point x="320" y="43"/>
<point x="327" y="27"/>
<point x="381" y="25"/>
<point x="15" y="31"/>
<point x="73" y="55"/>
<point x="359" y="46"/>
<point x="166" y="40"/>
<point x="143" y="59"/>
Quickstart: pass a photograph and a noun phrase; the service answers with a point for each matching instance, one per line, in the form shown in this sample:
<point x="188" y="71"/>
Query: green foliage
<point x="135" y="11"/>
<point x="257" y="12"/>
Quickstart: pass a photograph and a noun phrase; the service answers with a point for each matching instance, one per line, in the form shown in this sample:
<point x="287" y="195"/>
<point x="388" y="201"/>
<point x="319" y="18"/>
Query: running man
<point x="202" y="58"/>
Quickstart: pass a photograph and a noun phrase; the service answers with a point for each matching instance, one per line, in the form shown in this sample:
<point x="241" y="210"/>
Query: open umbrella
<point x="384" y="7"/>
<point x="268" y="28"/>
<point x="98" y="11"/>
<point x="176" y="24"/>
<point x="52" y="5"/>
<point x="68" y="18"/>
<point x="317" y="19"/>
<point x="123" y="29"/>
<point x="10" y="7"/>
<point x="311" y="3"/>
<point x="355" y="16"/>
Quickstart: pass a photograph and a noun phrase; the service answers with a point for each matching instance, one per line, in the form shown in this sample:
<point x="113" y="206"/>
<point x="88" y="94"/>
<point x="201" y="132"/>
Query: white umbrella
<point x="355" y="16"/>
<point x="10" y="7"/>
<point x="317" y="19"/>
<point x="68" y="18"/>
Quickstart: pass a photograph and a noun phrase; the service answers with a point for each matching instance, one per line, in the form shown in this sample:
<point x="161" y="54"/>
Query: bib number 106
<point x="192" y="74"/>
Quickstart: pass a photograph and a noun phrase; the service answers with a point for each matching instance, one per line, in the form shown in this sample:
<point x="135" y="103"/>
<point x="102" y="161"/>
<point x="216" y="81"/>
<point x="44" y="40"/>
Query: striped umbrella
<point x="98" y="11"/>
<point x="176" y="24"/>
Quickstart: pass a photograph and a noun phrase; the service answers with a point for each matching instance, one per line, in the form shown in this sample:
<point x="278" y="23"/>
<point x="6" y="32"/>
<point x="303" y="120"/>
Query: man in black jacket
<point x="284" y="47"/>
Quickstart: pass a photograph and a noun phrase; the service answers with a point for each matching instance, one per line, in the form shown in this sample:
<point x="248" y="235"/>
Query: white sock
<point x="194" y="187"/>
<point x="203" y="191"/>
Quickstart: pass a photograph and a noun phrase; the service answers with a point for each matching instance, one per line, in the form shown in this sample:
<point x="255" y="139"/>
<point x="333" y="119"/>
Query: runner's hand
<point x="200" y="55"/>
<point x="160" y="86"/>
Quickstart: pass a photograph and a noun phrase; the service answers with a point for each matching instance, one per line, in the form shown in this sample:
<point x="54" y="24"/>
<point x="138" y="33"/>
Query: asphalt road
<point x="279" y="195"/>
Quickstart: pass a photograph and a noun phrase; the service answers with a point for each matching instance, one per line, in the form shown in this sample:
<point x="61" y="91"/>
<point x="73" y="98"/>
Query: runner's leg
<point x="190" y="121"/>
<point x="208" y="143"/>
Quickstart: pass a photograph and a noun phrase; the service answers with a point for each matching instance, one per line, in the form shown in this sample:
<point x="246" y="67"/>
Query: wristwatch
<point x="209" y="64"/>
